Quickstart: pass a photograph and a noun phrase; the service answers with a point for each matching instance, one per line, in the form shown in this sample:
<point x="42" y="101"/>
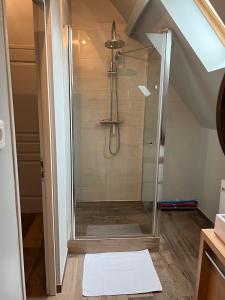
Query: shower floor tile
<point x="112" y="218"/>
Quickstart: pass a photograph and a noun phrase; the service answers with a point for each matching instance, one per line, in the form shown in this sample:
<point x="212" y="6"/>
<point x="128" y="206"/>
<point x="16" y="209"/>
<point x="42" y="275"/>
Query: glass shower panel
<point x="116" y="104"/>
<point x="150" y="137"/>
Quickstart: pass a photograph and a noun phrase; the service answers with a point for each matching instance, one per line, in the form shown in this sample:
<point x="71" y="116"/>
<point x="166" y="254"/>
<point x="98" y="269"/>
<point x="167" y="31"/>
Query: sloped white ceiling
<point x="198" y="88"/>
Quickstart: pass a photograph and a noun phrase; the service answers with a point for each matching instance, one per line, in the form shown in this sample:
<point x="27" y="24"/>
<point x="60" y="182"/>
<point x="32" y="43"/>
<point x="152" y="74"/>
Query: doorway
<point x="26" y="116"/>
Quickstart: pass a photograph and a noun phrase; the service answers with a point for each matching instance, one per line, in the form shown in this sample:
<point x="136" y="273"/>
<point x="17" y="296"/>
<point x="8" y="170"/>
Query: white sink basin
<point x="219" y="227"/>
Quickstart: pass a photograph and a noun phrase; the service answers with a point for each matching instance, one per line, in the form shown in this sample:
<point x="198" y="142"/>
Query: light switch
<point x="2" y="135"/>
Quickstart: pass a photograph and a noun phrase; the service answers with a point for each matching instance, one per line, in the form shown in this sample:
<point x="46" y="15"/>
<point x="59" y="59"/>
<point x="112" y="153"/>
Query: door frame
<point x="56" y="250"/>
<point x="67" y="31"/>
<point x="41" y="13"/>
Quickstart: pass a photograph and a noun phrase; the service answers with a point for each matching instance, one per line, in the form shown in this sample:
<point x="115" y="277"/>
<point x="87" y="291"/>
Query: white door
<point x="54" y="103"/>
<point x="61" y="106"/>
<point x="11" y="256"/>
<point x="46" y="141"/>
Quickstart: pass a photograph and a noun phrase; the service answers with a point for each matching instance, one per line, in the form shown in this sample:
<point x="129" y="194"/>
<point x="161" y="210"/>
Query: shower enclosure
<point x="120" y="90"/>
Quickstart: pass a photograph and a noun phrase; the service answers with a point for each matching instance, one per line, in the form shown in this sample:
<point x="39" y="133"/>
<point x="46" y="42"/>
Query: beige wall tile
<point x="133" y="119"/>
<point x="91" y="83"/>
<point x="85" y="67"/>
<point x="91" y="119"/>
<point x="128" y="105"/>
<point x="89" y="194"/>
<point x="95" y="15"/>
<point x="100" y="176"/>
<point x="123" y="194"/>
<point x="132" y="135"/>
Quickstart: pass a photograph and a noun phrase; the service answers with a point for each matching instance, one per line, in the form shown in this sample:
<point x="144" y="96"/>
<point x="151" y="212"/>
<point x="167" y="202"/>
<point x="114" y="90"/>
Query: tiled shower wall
<point x="98" y="175"/>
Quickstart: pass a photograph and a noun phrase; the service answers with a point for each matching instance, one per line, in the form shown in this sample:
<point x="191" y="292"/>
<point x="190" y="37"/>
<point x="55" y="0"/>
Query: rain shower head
<point x="114" y="43"/>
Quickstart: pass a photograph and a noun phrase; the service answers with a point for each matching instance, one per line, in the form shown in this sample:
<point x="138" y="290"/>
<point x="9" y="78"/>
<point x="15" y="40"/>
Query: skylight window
<point x="213" y="18"/>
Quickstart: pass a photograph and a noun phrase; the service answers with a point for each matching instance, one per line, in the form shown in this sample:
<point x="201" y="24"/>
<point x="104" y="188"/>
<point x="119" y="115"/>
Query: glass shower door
<point x="117" y="195"/>
<point x="158" y="70"/>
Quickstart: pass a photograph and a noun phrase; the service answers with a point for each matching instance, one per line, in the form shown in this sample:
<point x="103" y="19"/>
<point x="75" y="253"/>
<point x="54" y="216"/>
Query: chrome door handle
<point x="221" y="273"/>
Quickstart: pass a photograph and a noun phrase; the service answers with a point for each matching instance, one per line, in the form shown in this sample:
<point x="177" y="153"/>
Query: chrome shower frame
<point x="161" y="125"/>
<point x="152" y="241"/>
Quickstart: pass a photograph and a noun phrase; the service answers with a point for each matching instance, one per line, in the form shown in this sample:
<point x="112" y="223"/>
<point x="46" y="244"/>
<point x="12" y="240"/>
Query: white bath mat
<point x="119" y="273"/>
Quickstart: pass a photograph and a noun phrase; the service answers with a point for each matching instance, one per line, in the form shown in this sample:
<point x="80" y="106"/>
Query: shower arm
<point x="134" y="50"/>
<point x="113" y="30"/>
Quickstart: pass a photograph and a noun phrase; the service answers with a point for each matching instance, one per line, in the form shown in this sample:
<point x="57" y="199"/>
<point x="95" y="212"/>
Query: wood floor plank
<point x="34" y="236"/>
<point x="113" y="245"/>
<point x="33" y="250"/>
<point x="27" y="220"/>
<point x="36" y="280"/>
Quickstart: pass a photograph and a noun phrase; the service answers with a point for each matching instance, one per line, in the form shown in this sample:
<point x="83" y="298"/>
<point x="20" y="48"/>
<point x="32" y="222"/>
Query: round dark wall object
<point x="220" y="115"/>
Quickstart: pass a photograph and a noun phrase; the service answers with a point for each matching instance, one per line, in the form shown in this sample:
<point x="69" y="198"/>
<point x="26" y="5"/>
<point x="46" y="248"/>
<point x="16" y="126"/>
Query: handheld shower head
<point x="114" y="43"/>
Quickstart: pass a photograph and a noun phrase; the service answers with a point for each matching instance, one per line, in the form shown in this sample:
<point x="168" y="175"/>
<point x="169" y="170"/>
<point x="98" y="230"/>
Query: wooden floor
<point x="176" y="262"/>
<point x="112" y="218"/>
<point x="33" y="250"/>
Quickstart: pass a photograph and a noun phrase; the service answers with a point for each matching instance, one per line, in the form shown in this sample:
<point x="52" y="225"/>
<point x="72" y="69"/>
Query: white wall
<point x="213" y="172"/>
<point x="185" y="151"/>
<point x="194" y="161"/>
<point x="11" y="277"/>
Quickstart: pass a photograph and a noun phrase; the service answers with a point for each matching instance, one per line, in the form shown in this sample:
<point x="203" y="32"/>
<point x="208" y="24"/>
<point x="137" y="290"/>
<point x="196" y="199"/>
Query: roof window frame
<point x="212" y="17"/>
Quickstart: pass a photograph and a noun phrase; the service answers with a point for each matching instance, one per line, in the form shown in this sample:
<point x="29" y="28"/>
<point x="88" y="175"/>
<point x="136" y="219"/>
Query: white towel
<point x="119" y="273"/>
